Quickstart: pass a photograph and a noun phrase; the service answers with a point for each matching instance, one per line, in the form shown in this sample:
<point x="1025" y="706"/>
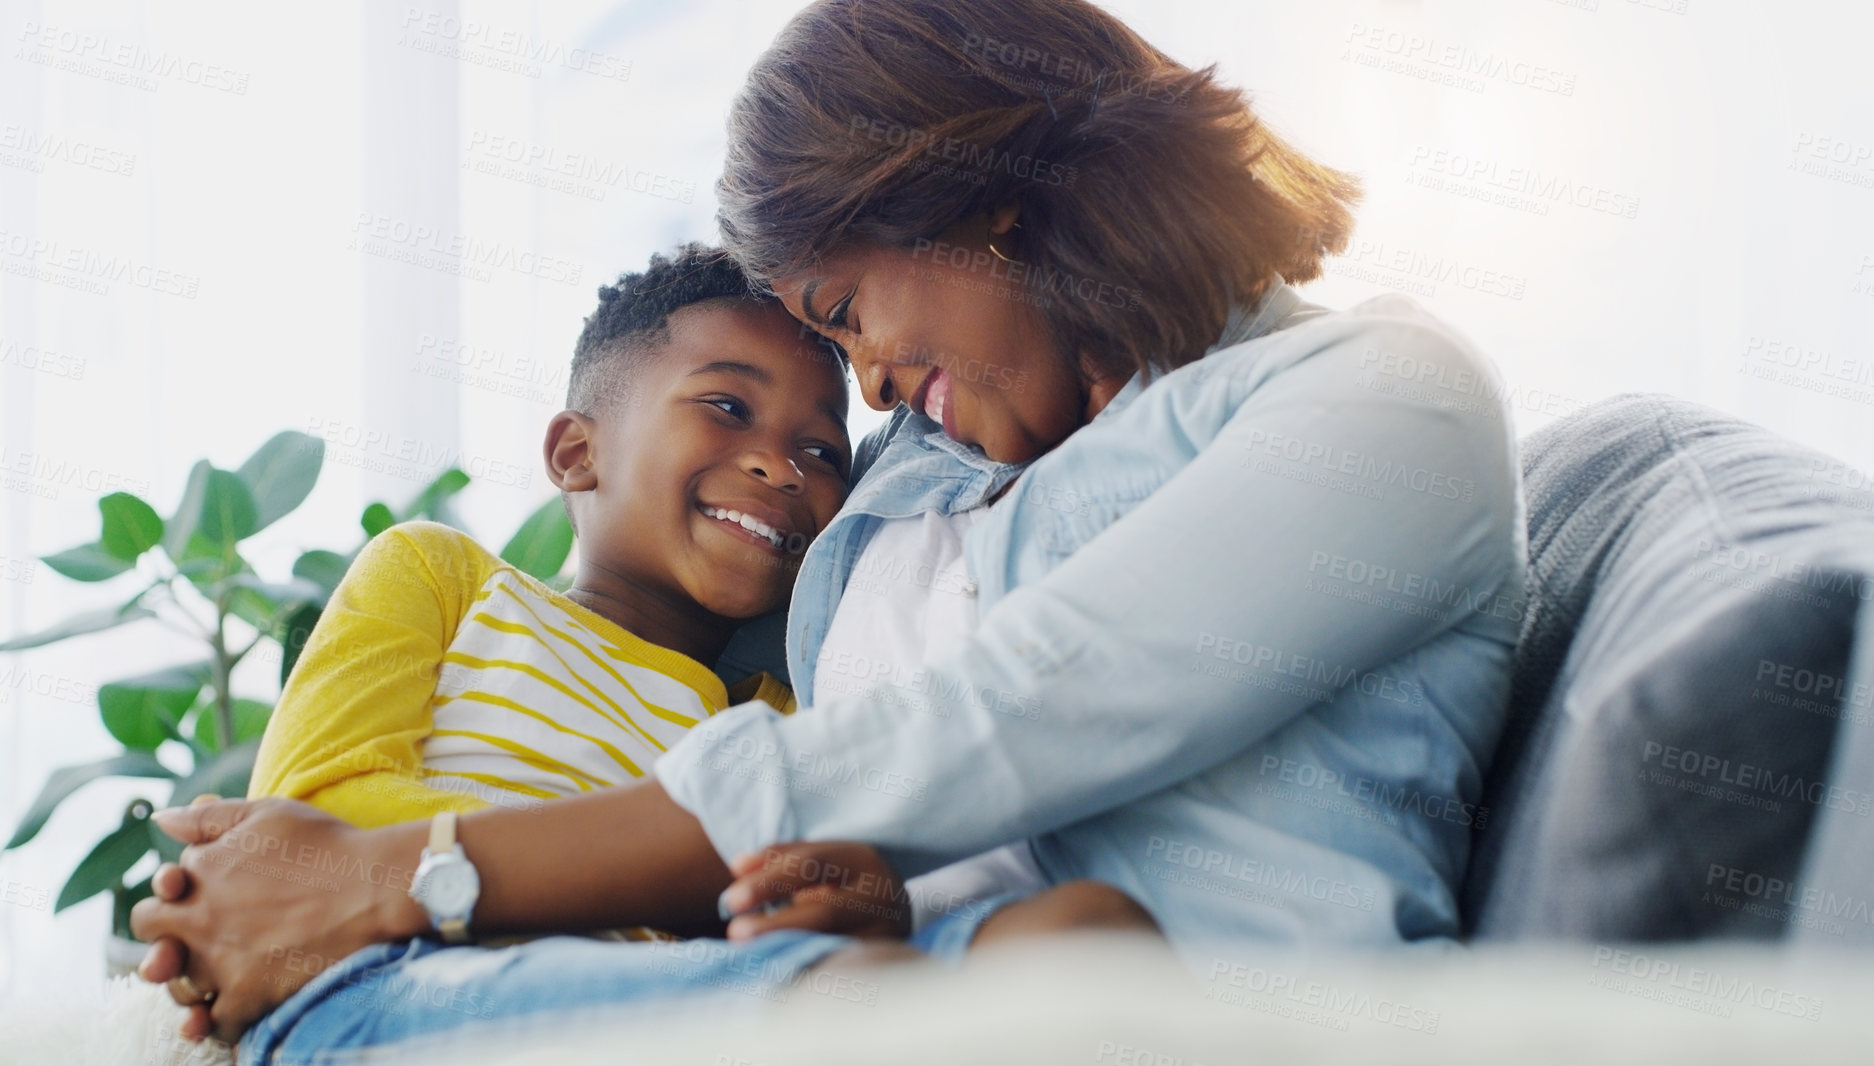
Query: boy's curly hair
<point x="633" y="318"/>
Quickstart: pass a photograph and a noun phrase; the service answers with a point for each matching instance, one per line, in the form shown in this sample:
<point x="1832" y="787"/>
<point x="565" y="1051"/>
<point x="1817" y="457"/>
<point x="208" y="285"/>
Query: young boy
<point x="704" y="446"/>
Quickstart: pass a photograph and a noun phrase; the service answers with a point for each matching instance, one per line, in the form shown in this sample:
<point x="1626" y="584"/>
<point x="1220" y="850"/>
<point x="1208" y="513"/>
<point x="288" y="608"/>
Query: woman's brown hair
<point x="1151" y="198"/>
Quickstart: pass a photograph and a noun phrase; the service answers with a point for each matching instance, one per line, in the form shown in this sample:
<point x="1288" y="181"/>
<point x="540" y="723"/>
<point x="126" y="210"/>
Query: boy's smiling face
<point x="738" y="411"/>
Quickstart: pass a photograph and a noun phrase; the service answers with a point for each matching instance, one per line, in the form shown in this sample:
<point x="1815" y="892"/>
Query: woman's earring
<point x="992" y="244"/>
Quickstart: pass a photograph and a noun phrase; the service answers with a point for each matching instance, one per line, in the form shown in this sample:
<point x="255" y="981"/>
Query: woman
<point x="1241" y="581"/>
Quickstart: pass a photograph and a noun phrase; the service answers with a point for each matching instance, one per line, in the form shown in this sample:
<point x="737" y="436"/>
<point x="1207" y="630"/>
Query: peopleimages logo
<point x="1378" y="793"/>
<point x="1798" y="573"/>
<point x="1519" y="187"/>
<point x="409" y="458"/>
<point x="425" y="246"/>
<point x="1810" y="899"/>
<point x="40" y="360"/>
<point x="1432" y="269"/>
<point x="1330" y="676"/>
<point x="1789" y="355"/>
<point x="54" y="472"/>
<point x="1716" y="985"/>
<point x="20" y="570"/>
<point x="1257" y="988"/>
<point x="1169" y="854"/>
<point x="1823" y="686"/>
<point x="18" y="677"/>
<point x="88" y="269"/>
<point x="1369" y="473"/>
<point x="122" y="61"/>
<point x="1022" y="277"/>
<point x="501" y="48"/>
<point x="33" y="148"/>
<point x="1408" y="592"/>
<point x="965" y="157"/>
<point x="1705" y="766"/>
<point x="799" y="766"/>
<point x="20" y="894"/>
<point x="934" y="692"/>
<point x="579" y="173"/>
<point x="1449" y="62"/>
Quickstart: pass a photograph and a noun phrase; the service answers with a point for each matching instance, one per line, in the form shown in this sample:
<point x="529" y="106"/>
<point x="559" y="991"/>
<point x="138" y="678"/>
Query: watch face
<point x="452" y="889"/>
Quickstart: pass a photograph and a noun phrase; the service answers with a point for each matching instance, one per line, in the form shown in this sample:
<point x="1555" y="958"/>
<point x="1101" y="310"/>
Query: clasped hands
<point x="269" y="892"/>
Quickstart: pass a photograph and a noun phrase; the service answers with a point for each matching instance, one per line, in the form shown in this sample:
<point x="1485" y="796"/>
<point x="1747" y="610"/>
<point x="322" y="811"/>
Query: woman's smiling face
<point x="944" y="328"/>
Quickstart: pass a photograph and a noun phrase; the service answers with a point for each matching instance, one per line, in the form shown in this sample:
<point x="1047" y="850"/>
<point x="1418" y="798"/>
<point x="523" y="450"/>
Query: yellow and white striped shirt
<point x="442" y="678"/>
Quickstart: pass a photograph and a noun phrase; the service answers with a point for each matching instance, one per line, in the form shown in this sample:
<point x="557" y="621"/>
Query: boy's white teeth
<point x="937" y="397"/>
<point x="748" y="522"/>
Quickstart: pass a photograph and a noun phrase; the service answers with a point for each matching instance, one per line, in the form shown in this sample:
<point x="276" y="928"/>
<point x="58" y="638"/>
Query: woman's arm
<point x="1173" y="639"/>
<point x="348" y="731"/>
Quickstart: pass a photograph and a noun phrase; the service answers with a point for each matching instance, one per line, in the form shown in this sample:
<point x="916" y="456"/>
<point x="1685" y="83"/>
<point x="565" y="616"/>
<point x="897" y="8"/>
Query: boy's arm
<point x="348" y="731"/>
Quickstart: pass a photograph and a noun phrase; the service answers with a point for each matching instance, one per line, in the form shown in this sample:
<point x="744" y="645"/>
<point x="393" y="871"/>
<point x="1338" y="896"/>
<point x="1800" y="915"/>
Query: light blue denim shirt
<point x="1243" y="651"/>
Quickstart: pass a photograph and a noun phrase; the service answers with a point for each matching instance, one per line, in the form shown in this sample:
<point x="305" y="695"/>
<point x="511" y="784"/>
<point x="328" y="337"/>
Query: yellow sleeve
<point x="348" y="731"/>
<point x="765" y="687"/>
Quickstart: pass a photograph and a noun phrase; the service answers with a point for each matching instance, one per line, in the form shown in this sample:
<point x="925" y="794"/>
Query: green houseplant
<point x="185" y="725"/>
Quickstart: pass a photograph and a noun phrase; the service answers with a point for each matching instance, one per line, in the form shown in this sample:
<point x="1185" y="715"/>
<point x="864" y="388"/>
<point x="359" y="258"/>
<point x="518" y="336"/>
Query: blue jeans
<point x="420" y="994"/>
<point x="410" y="995"/>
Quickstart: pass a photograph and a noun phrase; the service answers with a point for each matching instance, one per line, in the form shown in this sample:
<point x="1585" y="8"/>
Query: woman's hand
<point x="274" y="892"/>
<point x="829" y="887"/>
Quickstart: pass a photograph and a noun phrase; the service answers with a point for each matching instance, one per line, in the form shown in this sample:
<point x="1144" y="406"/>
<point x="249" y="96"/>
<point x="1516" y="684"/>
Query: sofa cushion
<point x="1834" y="900"/>
<point x="1695" y="595"/>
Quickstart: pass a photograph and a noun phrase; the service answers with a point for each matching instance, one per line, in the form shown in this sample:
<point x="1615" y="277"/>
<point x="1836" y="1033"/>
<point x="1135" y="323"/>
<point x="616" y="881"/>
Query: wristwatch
<point x="446" y="884"/>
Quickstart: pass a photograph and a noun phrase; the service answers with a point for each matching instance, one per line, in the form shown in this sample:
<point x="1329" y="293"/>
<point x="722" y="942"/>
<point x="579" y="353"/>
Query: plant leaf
<point x="68" y="779"/>
<point x="227" y="775"/>
<point x="105" y="867"/>
<point x="200" y="563"/>
<point x="293" y="635"/>
<point x="78" y="625"/>
<point x="296" y="590"/>
<point x="229" y="514"/>
<point x="260" y="603"/>
<point x="323" y="568"/>
<point x="281" y="474"/>
<point x="376" y="519"/>
<point x="253" y="607"/>
<point x="430" y="503"/>
<point x="250" y="721"/>
<point x="542" y="543"/>
<point x="142" y="712"/>
<point x="87" y="562"/>
<point x="131" y="527"/>
<point x="181" y="527"/>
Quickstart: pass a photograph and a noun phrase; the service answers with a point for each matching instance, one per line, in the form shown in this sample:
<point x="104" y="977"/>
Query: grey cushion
<point x="1835" y="897"/>
<point x="1669" y="743"/>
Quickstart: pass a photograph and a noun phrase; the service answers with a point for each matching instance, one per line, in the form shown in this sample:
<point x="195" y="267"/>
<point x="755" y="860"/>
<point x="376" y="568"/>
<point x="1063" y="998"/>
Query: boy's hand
<point x="827" y="886"/>
<point x="274" y="892"/>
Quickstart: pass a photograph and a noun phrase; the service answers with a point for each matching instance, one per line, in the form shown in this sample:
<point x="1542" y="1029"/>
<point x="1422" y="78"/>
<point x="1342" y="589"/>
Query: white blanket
<point x="1102" y="1002"/>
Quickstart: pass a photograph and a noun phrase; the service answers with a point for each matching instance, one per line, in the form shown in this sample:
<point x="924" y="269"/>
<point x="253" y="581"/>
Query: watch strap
<point x="442" y="832"/>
